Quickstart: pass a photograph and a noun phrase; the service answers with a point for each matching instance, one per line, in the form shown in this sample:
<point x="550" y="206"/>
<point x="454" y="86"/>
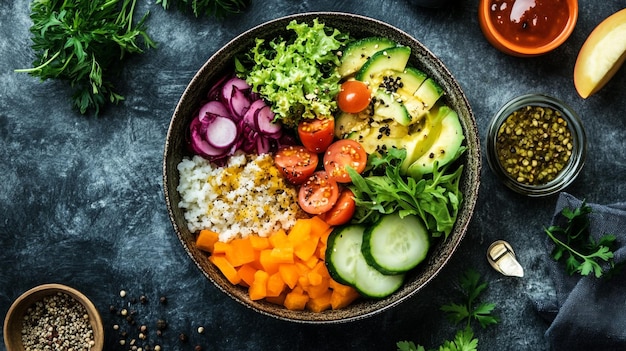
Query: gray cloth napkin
<point x="589" y="313"/>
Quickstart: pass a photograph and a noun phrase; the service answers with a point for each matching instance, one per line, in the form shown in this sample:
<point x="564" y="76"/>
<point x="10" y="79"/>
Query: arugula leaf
<point x="82" y="42"/>
<point x="382" y="190"/>
<point x="575" y="245"/>
<point x="217" y="8"/>
<point x="296" y="76"/>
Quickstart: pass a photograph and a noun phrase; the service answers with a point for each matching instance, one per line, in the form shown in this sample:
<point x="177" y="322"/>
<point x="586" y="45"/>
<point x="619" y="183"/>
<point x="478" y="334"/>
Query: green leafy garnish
<point x="217" y="8"/>
<point x="471" y="288"/>
<point x="382" y="190"/>
<point x="298" y="77"/>
<point x="83" y="42"/>
<point x="575" y="245"/>
<point x="470" y="310"/>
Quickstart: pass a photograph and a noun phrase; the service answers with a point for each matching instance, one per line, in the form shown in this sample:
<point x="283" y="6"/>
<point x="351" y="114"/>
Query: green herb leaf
<point x="382" y="190"/>
<point x="577" y="248"/>
<point x="471" y="288"/>
<point x="82" y="42"/>
<point x="216" y="8"/>
<point x="464" y="340"/>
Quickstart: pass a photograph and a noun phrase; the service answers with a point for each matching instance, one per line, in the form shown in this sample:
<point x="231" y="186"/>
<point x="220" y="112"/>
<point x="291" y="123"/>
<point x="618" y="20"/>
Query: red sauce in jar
<point x="529" y="22"/>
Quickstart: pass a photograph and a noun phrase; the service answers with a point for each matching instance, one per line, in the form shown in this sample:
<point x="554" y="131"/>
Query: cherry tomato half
<point x="342" y="153"/>
<point x="343" y="210"/>
<point x="354" y="96"/>
<point x="318" y="194"/>
<point x="316" y="134"/>
<point x="296" y="163"/>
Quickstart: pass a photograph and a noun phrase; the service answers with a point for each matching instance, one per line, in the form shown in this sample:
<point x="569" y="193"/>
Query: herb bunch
<point x="575" y="245"/>
<point x="83" y="42"/>
<point x="382" y="190"/>
<point x="470" y="310"/>
<point x="217" y="8"/>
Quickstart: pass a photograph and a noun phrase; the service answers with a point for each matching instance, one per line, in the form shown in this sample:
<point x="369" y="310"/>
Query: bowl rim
<point x="473" y="179"/>
<point x="505" y="45"/>
<point x="34" y="294"/>
<point x="575" y="163"/>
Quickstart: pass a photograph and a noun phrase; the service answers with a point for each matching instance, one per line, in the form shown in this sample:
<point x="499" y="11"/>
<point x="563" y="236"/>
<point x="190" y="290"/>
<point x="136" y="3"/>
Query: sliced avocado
<point x="357" y="53"/>
<point x="424" y="98"/>
<point x="380" y="136"/>
<point x="386" y="106"/>
<point x="443" y="150"/>
<point x="411" y="78"/>
<point x="347" y="123"/>
<point x="394" y="58"/>
<point x="423" y="135"/>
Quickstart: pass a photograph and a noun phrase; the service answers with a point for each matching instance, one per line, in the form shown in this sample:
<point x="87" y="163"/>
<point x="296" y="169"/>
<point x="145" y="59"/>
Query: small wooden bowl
<point x="13" y="321"/>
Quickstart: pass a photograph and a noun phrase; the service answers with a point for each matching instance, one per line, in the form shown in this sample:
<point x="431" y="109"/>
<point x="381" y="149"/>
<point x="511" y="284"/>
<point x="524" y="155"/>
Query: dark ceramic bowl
<point x="222" y="61"/>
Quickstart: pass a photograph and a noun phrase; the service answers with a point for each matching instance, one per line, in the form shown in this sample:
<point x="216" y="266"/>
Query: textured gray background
<point x="81" y="200"/>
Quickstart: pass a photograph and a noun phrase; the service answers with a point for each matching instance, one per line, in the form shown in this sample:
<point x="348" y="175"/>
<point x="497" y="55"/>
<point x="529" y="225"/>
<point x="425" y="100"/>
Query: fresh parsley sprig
<point x="470" y="310"/>
<point x="575" y="245"/>
<point x="216" y="8"/>
<point x="83" y="42"/>
<point x="383" y="190"/>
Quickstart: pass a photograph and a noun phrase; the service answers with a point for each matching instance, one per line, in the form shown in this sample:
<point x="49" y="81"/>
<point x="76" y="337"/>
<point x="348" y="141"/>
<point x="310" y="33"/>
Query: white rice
<point x="247" y="196"/>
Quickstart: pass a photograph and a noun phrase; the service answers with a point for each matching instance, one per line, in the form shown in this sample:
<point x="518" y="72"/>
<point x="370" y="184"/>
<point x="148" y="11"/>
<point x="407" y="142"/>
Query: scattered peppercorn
<point x="143" y="299"/>
<point x="183" y="337"/>
<point x="163" y="300"/>
<point x="534" y="144"/>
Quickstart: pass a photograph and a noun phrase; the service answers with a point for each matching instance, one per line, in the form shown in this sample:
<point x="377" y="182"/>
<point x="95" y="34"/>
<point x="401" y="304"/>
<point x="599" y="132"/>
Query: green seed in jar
<point x="533" y="144"/>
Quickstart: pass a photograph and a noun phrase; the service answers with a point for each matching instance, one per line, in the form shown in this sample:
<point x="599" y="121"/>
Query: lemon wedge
<point x="601" y="55"/>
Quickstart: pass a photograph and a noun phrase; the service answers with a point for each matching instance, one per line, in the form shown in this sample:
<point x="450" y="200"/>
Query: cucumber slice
<point x="372" y="283"/>
<point x="357" y="53"/>
<point x="343" y="251"/>
<point x="395" y="245"/>
<point x="347" y="265"/>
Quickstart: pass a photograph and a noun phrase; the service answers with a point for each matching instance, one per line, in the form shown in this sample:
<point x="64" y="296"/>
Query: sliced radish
<point x="238" y="103"/>
<point x="222" y="132"/>
<point x="265" y="123"/>
<point x="250" y="116"/>
<point x="199" y="145"/>
<point x="213" y="108"/>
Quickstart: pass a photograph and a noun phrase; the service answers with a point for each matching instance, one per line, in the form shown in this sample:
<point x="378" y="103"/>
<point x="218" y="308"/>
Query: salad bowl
<point x="357" y="26"/>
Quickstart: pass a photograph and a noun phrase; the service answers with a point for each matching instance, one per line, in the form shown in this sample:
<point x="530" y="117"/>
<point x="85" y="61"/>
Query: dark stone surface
<point x="81" y="199"/>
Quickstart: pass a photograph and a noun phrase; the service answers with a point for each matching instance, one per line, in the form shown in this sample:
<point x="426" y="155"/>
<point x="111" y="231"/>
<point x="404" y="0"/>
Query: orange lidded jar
<point x="527" y="28"/>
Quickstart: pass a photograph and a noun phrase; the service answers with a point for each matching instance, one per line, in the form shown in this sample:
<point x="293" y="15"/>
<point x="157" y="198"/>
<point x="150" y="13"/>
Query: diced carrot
<point x="318" y="226"/>
<point x="303" y="282"/>
<point x="305" y="249"/>
<point x="279" y="239"/>
<point x="282" y="254"/>
<point x="242" y="252"/>
<point x="269" y="264"/>
<point x="340" y="288"/>
<point x="275" y="285"/>
<point x="311" y="262"/>
<point x="246" y="272"/>
<point x="258" y="289"/>
<point x="325" y="235"/>
<point x="221" y="248"/>
<point x="226" y="268"/>
<point x="300" y="232"/>
<point x="319" y="289"/>
<point x="320" y="303"/>
<point x="295" y="301"/>
<point x="338" y="300"/>
<point x="290" y="274"/>
<point x="314" y="278"/>
<point x="277" y="300"/>
<point x="259" y="243"/>
<point x="321" y="269"/>
<point x="206" y="240"/>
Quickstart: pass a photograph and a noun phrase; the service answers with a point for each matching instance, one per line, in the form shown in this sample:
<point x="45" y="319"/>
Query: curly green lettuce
<point x="298" y="77"/>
